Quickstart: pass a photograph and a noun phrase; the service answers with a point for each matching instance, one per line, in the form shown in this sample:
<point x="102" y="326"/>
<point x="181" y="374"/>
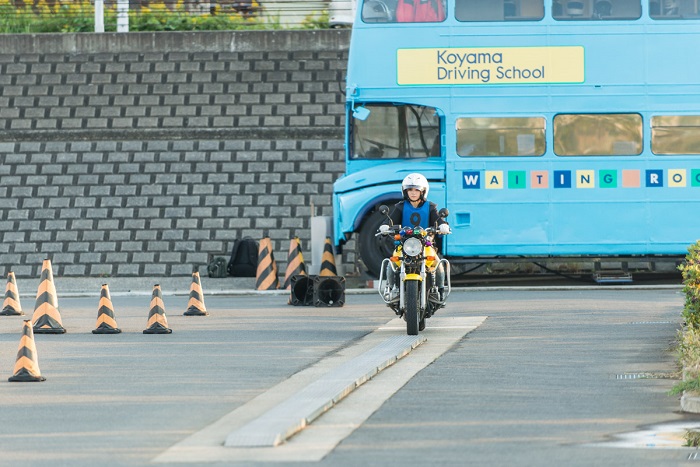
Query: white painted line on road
<point x="315" y="441"/>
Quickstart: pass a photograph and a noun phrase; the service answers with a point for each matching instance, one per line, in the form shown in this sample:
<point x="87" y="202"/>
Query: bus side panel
<point x="573" y="212"/>
<point x="495" y="229"/>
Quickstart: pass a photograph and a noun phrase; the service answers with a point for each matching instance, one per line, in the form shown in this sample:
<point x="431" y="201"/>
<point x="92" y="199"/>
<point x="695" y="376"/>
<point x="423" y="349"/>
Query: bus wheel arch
<point x="372" y="250"/>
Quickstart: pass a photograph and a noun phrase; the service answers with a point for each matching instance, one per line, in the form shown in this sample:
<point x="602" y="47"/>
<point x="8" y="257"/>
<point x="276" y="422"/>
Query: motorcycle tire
<point x="412" y="302"/>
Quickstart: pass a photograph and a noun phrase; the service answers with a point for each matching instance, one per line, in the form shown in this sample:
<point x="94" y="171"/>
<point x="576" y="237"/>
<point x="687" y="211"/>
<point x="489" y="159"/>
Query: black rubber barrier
<point x="329" y="291"/>
<point x="302" y="290"/>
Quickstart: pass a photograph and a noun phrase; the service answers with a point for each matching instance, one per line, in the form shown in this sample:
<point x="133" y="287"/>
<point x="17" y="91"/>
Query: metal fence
<point x="79" y="15"/>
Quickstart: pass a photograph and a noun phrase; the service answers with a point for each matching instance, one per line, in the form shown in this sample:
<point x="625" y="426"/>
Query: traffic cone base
<point x="158" y="328"/>
<point x="157" y="322"/>
<point x="105" y="329"/>
<point x="25" y="376"/>
<point x="26" y="367"/>
<point x="195" y="307"/>
<point x="49" y="329"/>
<point x="11" y="305"/>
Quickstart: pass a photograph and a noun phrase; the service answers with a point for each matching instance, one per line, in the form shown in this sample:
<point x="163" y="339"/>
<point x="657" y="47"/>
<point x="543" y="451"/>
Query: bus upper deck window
<point x="679" y="134"/>
<point x="396" y="131"/>
<point x="674" y="9"/>
<point x="596" y="10"/>
<point x="499" y="10"/>
<point x="403" y="11"/>
<point x="598" y="134"/>
<point x="500" y="136"/>
<point x="376" y="12"/>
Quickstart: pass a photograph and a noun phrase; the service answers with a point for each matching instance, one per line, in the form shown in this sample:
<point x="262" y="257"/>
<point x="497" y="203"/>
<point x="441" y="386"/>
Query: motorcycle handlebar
<point x="396" y="228"/>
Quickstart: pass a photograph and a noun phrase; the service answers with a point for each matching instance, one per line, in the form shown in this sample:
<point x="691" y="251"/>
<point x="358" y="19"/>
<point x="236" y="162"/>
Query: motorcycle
<point x="416" y="263"/>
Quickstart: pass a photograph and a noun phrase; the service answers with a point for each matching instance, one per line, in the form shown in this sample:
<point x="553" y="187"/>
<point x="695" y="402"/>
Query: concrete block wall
<point x="149" y="153"/>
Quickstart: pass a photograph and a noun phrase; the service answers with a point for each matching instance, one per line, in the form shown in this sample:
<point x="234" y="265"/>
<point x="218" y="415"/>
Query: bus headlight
<point x="412" y="247"/>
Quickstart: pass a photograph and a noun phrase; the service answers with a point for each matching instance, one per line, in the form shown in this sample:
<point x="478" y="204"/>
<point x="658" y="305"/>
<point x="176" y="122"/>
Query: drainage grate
<point x="645" y="376"/>
<point x="631" y="376"/>
<point x="654" y="322"/>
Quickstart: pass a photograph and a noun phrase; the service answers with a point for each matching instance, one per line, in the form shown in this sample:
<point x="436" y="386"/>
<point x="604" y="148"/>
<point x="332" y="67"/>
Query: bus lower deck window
<point x="675" y="134"/>
<point x="500" y="136"/>
<point x="597" y="134"/>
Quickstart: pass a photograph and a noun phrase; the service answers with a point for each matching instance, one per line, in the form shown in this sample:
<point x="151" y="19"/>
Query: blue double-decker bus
<point x="551" y="129"/>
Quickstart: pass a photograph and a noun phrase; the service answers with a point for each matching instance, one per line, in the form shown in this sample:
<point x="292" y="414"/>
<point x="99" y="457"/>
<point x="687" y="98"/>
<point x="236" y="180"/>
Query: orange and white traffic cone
<point x="11" y="305"/>
<point x="27" y="364"/>
<point x="157" y="322"/>
<point x="46" y="318"/>
<point x="266" y="275"/>
<point x="195" y="307"/>
<point x="295" y="263"/>
<point x="328" y="260"/>
<point x="106" y="324"/>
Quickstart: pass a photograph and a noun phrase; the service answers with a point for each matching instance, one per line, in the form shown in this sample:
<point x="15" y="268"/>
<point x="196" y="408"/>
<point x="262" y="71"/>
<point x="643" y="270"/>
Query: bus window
<point x="596" y="10"/>
<point x="500" y="136"/>
<point x="674" y="9"/>
<point x="377" y="12"/>
<point x="675" y="134"/>
<point x="499" y="10"/>
<point x="598" y="134"/>
<point x="403" y="11"/>
<point x="396" y="132"/>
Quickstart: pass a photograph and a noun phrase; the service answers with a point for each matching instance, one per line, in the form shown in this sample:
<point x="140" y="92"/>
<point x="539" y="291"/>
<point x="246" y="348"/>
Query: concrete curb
<point x="690" y="402"/>
<point x="180" y="285"/>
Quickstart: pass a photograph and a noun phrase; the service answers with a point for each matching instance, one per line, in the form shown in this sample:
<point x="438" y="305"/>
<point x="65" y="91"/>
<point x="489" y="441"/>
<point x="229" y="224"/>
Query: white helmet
<point x="415" y="180"/>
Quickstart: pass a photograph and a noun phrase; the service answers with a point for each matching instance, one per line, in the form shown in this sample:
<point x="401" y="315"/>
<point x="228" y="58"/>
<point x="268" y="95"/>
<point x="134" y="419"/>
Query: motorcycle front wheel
<point x="412" y="301"/>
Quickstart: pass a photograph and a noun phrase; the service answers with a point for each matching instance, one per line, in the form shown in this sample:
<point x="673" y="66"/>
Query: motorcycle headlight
<point x="412" y="247"/>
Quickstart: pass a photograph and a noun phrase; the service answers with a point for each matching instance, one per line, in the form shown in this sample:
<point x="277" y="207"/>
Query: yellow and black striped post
<point x="157" y="322"/>
<point x="195" y="307"/>
<point x="46" y="318"/>
<point x="266" y="275"/>
<point x="328" y="260"/>
<point x="27" y="364"/>
<point x="295" y="263"/>
<point x="106" y="324"/>
<point x="11" y="305"/>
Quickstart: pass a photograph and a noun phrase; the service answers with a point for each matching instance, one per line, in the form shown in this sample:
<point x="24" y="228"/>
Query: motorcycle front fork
<point x="385" y="287"/>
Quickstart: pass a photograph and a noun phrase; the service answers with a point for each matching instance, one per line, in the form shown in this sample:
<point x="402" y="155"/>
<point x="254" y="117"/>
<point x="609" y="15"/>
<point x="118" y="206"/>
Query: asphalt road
<point x="551" y="377"/>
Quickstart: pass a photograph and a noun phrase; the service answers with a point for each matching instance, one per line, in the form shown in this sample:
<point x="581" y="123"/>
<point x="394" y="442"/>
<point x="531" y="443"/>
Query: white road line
<point x="318" y="439"/>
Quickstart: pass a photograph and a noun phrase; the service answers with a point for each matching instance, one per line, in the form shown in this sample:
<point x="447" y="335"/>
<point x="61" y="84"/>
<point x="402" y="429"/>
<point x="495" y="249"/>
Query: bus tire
<point x="373" y="249"/>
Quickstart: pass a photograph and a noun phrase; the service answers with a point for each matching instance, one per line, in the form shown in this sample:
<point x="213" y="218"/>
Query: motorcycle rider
<point x="415" y="210"/>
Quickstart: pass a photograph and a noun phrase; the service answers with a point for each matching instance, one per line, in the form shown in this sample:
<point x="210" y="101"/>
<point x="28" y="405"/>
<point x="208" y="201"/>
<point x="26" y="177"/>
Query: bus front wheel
<point x="373" y="249"/>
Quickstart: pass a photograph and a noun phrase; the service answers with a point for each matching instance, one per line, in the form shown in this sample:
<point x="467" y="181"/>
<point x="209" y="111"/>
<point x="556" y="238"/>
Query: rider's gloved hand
<point x="444" y="229"/>
<point x="384" y="229"/>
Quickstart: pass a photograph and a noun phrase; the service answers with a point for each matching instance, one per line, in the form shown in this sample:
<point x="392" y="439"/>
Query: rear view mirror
<point x="360" y="113"/>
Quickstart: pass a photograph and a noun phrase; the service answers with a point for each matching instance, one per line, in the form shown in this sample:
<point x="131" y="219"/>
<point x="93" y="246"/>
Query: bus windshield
<point x="396" y="132"/>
